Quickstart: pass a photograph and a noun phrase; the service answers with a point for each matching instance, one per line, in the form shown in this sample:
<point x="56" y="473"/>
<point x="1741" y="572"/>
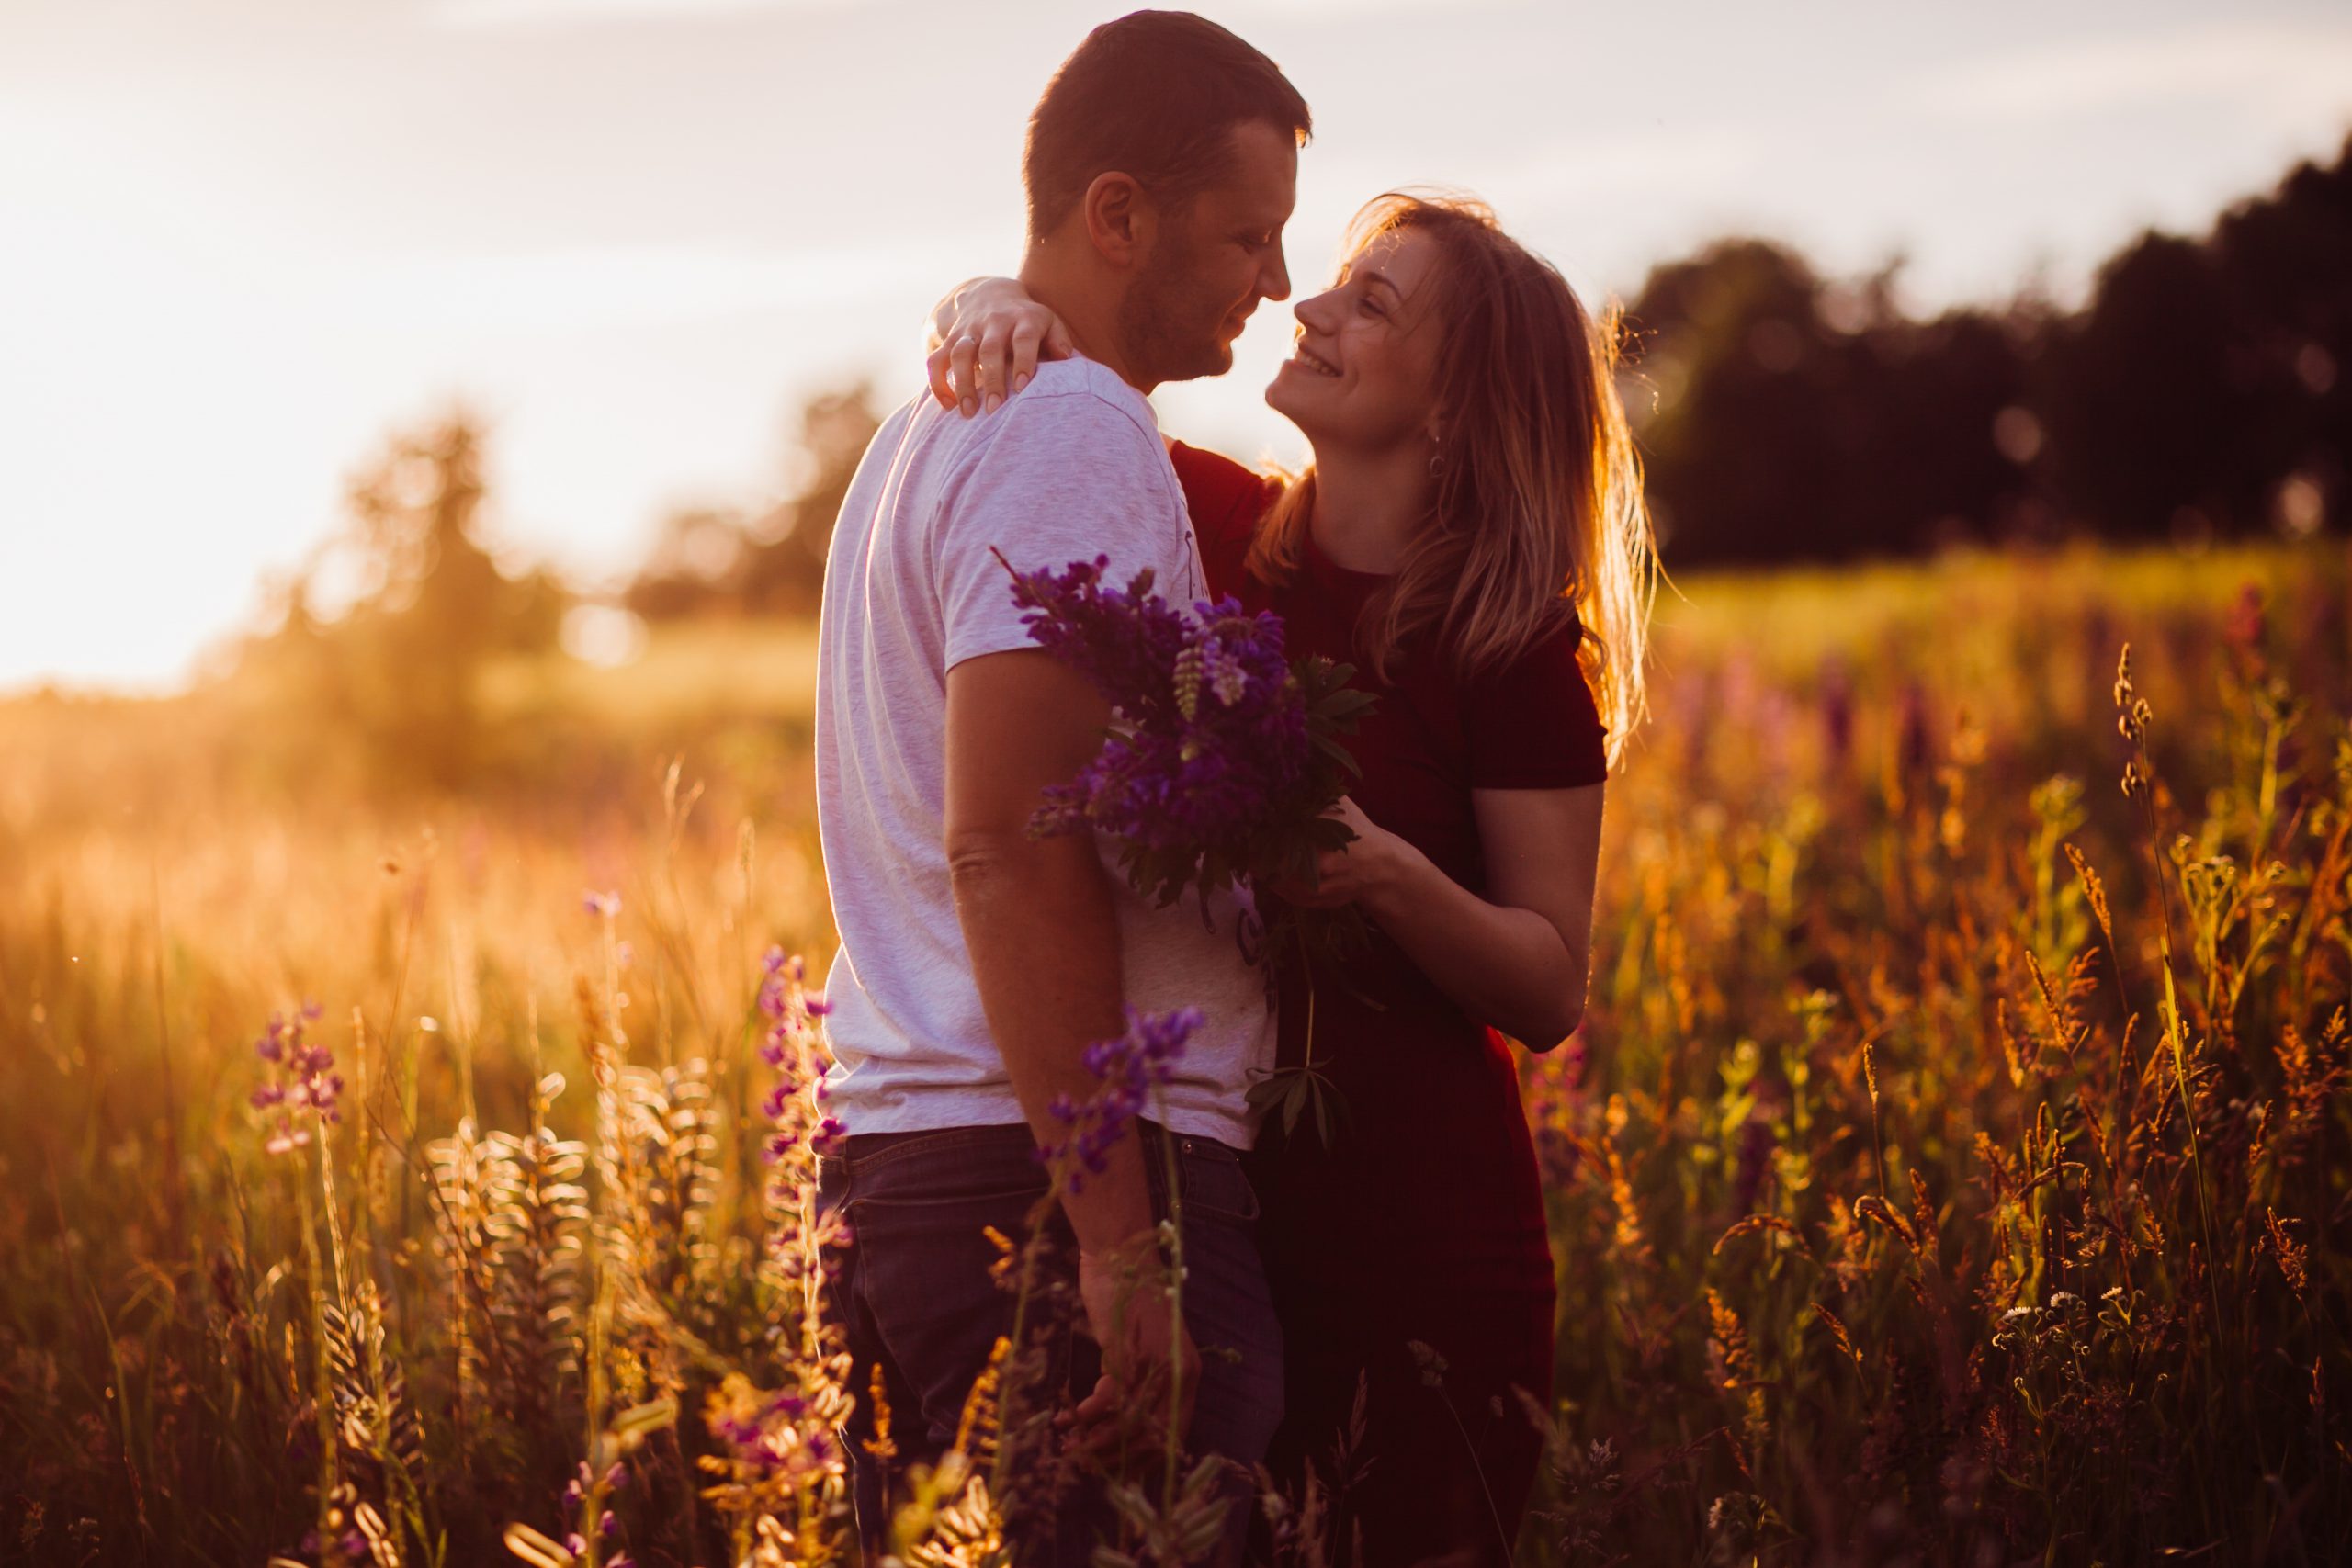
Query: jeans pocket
<point x="1216" y="1185"/>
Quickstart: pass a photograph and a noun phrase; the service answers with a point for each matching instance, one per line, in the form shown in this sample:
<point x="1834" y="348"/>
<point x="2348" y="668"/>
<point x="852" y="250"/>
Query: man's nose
<point x="1274" y="278"/>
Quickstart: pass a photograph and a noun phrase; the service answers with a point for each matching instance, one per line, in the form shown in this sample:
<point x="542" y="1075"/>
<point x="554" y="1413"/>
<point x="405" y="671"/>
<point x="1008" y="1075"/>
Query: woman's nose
<point x="1314" y="311"/>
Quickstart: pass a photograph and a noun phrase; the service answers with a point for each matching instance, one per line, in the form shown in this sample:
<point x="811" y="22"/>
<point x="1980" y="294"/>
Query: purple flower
<point x="302" y="1085"/>
<point x="1130" y="1068"/>
<point x="1224" y="759"/>
<point x="608" y="904"/>
<point x="799" y="1133"/>
<point x="1125" y="643"/>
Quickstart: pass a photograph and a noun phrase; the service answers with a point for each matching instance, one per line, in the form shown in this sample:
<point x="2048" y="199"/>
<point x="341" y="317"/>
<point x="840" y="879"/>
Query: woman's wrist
<point x="1395" y="875"/>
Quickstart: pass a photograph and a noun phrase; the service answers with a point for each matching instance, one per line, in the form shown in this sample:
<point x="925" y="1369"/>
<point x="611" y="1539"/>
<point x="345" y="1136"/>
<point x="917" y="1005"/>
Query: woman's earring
<point x="1437" y="463"/>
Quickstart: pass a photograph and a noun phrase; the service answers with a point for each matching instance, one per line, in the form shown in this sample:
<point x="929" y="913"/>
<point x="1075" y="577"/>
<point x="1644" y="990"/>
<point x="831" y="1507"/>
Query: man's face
<point x="1212" y="262"/>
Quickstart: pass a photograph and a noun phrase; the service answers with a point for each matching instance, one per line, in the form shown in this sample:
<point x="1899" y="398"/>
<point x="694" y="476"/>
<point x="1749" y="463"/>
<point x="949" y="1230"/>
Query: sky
<point x="242" y="240"/>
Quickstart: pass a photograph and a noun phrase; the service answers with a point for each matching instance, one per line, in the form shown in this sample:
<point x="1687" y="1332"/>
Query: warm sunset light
<point x="244" y="238"/>
<point x="1350" y="783"/>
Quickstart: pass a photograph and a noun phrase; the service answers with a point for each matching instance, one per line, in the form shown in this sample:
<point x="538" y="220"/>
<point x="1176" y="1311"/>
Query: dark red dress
<point x="1423" y="1221"/>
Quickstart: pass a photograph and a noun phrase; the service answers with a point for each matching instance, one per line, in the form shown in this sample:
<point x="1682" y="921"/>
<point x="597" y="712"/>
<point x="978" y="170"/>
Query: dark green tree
<point x="1784" y="419"/>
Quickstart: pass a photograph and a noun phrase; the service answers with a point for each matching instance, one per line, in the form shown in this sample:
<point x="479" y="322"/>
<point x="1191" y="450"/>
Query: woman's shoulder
<point x="1532" y="721"/>
<point x="1212" y="479"/>
<point x="1226" y="501"/>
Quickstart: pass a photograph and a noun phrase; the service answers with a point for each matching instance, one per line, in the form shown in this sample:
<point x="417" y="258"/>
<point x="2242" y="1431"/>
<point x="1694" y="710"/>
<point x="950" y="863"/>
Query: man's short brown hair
<point x="1155" y="94"/>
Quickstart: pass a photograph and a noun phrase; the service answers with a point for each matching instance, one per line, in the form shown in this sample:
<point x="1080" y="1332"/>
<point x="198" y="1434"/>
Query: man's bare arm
<point x="1037" y="913"/>
<point x="1042" y="934"/>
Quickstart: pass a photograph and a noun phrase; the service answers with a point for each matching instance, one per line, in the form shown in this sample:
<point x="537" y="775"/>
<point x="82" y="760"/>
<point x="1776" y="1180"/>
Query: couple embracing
<point x="1371" y="1311"/>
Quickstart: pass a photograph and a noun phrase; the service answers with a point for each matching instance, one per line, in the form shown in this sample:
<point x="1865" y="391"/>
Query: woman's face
<point x="1362" y="373"/>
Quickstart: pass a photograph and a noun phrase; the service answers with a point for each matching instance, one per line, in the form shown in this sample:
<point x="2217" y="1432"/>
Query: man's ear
<point x="1120" y="218"/>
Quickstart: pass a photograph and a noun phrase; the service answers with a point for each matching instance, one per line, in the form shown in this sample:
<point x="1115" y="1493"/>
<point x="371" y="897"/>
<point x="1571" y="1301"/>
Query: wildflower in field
<point x="780" y="1476"/>
<point x="2247" y="623"/>
<point x="780" y="1455"/>
<point x="1225" y="755"/>
<point x="1130" y="1068"/>
<point x="768" y="1440"/>
<point x="793" y="1047"/>
<point x="302" y="1085"/>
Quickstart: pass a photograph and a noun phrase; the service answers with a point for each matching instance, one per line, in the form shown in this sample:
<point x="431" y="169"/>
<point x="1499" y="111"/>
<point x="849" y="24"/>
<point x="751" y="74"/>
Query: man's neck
<point x="1369" y="505"/>
<point x="1091" y="320"/>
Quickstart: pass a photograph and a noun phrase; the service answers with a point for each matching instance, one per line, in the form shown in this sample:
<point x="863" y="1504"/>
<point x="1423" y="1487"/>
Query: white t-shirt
<point x="1070" y="469"/>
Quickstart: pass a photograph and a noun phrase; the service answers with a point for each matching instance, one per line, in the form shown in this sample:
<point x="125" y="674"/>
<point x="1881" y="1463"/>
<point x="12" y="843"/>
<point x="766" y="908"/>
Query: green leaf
<point x="1339" y="754"/>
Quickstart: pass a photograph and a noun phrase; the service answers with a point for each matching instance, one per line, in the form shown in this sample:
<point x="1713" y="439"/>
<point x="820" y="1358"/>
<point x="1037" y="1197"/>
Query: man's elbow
<point x="983" y="860"/>
<point x="979" y="857"/>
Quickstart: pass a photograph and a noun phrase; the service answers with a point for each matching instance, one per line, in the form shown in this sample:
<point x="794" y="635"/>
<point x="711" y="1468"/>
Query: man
<point x="977" y="962"/>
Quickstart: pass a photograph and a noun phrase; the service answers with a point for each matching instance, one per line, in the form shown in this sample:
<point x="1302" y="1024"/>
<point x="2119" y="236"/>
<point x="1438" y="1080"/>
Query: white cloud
<point x="621" y="285"/>
<point x="2286" y="76"/>
<point x="1698" y="157"/>
<point x="487" y="14"/>
<point x="1368" y="8"/>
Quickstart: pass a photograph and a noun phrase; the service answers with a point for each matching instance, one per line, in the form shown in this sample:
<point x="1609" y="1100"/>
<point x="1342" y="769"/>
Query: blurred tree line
<point x="396" y="668"/>
<point x="2201" y="391"/>
<point x="769" y="561"/>
<point x="383" y="639"/>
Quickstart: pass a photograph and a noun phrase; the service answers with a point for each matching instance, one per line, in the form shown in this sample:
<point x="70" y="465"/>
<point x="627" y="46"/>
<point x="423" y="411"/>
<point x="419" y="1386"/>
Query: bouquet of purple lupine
<point x="1222" y="760"/>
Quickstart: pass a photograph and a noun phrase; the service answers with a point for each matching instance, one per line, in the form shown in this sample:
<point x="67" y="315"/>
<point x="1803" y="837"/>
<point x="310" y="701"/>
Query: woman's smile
<point x="1307" y="359"/>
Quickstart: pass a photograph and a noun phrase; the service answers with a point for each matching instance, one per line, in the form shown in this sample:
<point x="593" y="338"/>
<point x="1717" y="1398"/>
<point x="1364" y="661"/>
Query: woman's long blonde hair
<point x="1537" y="509"/>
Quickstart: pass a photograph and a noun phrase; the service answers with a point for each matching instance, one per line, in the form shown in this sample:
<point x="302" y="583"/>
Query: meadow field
<point x="1954" y="1166"/>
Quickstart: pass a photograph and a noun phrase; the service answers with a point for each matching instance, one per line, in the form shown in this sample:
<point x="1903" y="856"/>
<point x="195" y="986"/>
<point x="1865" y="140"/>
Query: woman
<point x="1471" y="535"/>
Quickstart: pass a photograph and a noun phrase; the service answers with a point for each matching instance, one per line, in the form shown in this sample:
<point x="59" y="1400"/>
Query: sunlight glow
<point x="242" y="241"/>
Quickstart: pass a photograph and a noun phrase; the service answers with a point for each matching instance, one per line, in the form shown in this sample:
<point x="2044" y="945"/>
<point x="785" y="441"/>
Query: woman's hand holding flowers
<point x="1368" y="870"/>
<point x="1224" y="764"/>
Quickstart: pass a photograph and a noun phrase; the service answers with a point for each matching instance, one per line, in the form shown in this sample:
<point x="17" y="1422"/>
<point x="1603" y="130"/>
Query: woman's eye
<point x="1364" y="303"/>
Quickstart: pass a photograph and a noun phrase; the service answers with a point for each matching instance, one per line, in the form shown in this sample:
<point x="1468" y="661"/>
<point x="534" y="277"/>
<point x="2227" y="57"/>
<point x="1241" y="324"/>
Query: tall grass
<point x="1951" y="1169"/>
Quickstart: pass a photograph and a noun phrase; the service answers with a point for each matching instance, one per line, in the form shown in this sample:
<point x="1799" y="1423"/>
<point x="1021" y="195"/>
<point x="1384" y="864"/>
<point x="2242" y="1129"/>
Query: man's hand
<point x="1124" y="1290"/>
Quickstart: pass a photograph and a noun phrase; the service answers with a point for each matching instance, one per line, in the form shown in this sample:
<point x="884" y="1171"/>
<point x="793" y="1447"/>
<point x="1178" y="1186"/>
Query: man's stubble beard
<point x="1167" y="331"/>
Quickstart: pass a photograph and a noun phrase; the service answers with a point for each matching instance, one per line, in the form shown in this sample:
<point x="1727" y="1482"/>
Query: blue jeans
<point x="915" y="1300"/>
